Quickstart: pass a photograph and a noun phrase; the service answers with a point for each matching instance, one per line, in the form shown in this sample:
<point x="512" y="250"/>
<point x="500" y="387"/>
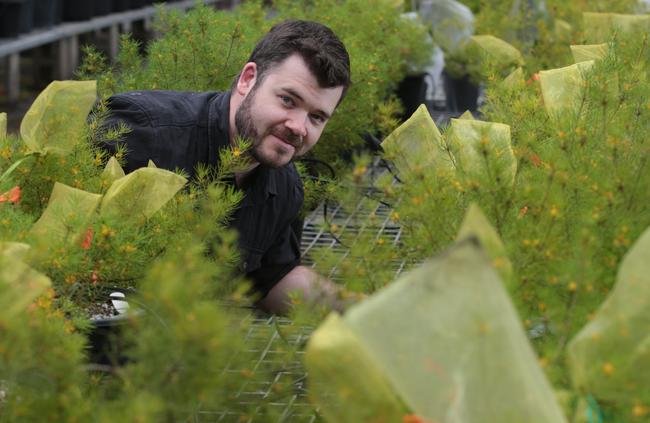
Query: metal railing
<point x="66" y="36"/>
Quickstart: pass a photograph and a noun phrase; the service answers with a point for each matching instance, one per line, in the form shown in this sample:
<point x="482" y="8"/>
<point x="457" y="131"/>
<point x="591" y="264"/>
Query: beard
<point x="247" y="130"/>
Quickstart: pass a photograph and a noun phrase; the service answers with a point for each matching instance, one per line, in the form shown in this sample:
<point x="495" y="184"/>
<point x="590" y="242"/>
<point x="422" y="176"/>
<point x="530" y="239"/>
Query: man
<point x="281" y="101"/>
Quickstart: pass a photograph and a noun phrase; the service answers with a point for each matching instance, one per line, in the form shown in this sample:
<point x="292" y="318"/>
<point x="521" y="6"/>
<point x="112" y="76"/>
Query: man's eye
<point x="286" y="100"/>
<point x="318" y="119"/>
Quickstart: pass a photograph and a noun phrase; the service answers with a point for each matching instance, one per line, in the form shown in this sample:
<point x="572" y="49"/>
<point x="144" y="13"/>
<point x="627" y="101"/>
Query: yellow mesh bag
<point x="55" y="121"/>
<point x="469" y="139"/>
<point x="349" y="387"/>
<point x="476" y="224"/>
<point x="498" y="51"/>
<point x="610" y="357"/>
<point x="563" y="88"/>
<point x="68" y="212"/>
<point x="514" y="80"/>
<point x="141" y="193"/>
<point x="562" y="30"/>
<point x="600" y="26"/>
<point x="112" y="171"/>
<point x="3" y="126"/>
<point x="418" y="142"/>
<point x="448" y="340"/>
<point x="587" y="52"/>
<point x="14" y="250"/>
<point x="25" y="284"/>
<point x="467" y="115"/>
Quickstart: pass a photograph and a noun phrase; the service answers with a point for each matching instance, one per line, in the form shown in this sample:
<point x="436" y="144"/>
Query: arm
<point x="304" y="282"/>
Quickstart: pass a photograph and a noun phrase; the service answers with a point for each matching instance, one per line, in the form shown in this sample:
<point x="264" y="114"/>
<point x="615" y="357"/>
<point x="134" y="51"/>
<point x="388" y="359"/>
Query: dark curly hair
<point x="322" y="51"/>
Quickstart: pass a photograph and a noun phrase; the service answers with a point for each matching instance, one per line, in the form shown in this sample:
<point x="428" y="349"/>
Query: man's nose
<point x="297" y="123"/>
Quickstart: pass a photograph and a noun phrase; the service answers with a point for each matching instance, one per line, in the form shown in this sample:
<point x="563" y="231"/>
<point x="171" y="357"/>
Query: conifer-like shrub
<point x="558" y="165"/>
<point x="205" y="49"/>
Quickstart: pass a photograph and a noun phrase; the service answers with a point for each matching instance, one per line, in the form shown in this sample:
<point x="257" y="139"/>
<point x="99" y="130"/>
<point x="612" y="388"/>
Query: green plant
<point x="205" y="49"/>
<point x="567" y="212"/>
<point x="59" y="255"/>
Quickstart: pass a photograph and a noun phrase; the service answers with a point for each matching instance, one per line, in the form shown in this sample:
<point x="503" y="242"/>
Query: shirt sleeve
<point x="139" y="140"/>
<point x="282" y="257"/>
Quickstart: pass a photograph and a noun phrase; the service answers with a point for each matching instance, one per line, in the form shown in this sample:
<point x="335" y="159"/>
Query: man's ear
<point x="247" y="78"/>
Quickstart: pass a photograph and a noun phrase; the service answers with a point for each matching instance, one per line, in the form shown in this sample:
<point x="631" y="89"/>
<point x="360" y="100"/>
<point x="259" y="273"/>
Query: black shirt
<point x="179" y="130"/>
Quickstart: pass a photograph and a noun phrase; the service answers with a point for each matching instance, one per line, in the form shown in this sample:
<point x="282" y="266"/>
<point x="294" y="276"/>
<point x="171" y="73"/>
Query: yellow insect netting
<point x="31" y="284"/>
<point x="338" y="362"/>
<point x="14" y="250"/>
<point x="467" y="115"/>
<point x="141" y="193"/>
<point x="418" y="142"/>
<point x="112" y="171"/>
<point x="600" y="26"/>
<point x="562" y="30"/>
<point x="55" y="121"/>
<point x="587" y="52"/>
<point x="483" y="149"/>
<point x="67" y="215"/>
<point x="497" y="51"/>
<point x="448" y="341"/>
<point x="476" y="224"/>
<point x="610" y="357"/>
<point x="514" y="80"/>
<point x="3" y="125"/>
<point x="563" y="88"/>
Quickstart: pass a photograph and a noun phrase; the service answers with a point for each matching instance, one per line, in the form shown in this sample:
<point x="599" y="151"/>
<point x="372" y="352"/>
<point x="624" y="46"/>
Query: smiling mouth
<point x="296" y="144"/>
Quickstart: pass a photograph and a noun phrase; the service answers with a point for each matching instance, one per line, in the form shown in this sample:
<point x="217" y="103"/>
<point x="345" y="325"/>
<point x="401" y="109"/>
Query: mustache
<point x="288" y="136"/>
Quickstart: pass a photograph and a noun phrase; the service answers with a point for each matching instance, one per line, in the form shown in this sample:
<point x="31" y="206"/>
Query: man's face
<point x="285" y="114"/>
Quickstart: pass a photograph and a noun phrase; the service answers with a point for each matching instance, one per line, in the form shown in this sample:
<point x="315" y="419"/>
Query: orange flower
<point x="534" y="158"/>
<point x="88" y="239"/>
<point x="523" y="211"/>
<point x="11" y="196"/>
<point x="414" y="418"/>
<point x="94" y="277"/>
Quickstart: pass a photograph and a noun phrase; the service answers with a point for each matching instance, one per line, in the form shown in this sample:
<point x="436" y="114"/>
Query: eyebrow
<point x="299" y="97"/>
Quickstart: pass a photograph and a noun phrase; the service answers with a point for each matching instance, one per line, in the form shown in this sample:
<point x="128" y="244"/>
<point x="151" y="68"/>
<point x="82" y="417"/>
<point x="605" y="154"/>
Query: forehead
<point x="293" y="75"/>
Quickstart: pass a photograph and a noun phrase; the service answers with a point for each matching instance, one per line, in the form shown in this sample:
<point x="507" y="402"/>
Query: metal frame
<point x="67" y="36"/>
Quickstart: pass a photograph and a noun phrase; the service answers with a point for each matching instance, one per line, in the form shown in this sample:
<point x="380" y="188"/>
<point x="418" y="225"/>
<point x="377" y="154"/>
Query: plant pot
<point x="121" y="5"/>
<point x="102" y="7"/>
<point x="46" y="13"/>
<point x="77" y="10"/>
<point x="138" y="4"/>
<point x="106" y="344"/>
<point x="16" y="17"/>
<point x="461" y="93"/>
<point x="412" y="92"/>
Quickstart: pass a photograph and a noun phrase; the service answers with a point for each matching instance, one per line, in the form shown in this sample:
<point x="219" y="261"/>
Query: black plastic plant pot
<point x="46" y="13"/>
<point x="78" y="10"/>
<point x="16" y="17"/>
<point x="138" y="4"/>
<point x="106" y="343"/>
<point x="102" y="7"/>
<point x="462" y="93"/>
<point x="121" y="5"/>
<point x="412" y="91"/>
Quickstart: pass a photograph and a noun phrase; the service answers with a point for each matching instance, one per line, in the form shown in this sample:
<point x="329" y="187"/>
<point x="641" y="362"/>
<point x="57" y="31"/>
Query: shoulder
<point x="162" y="108"/>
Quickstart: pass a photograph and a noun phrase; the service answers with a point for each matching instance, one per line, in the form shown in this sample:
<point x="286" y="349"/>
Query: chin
<point x="272" y="159"/>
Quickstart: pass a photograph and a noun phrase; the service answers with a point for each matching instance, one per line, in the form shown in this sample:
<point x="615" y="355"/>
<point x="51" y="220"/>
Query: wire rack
<point x="266" y="339"/>
<point x="269" y="337"/>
